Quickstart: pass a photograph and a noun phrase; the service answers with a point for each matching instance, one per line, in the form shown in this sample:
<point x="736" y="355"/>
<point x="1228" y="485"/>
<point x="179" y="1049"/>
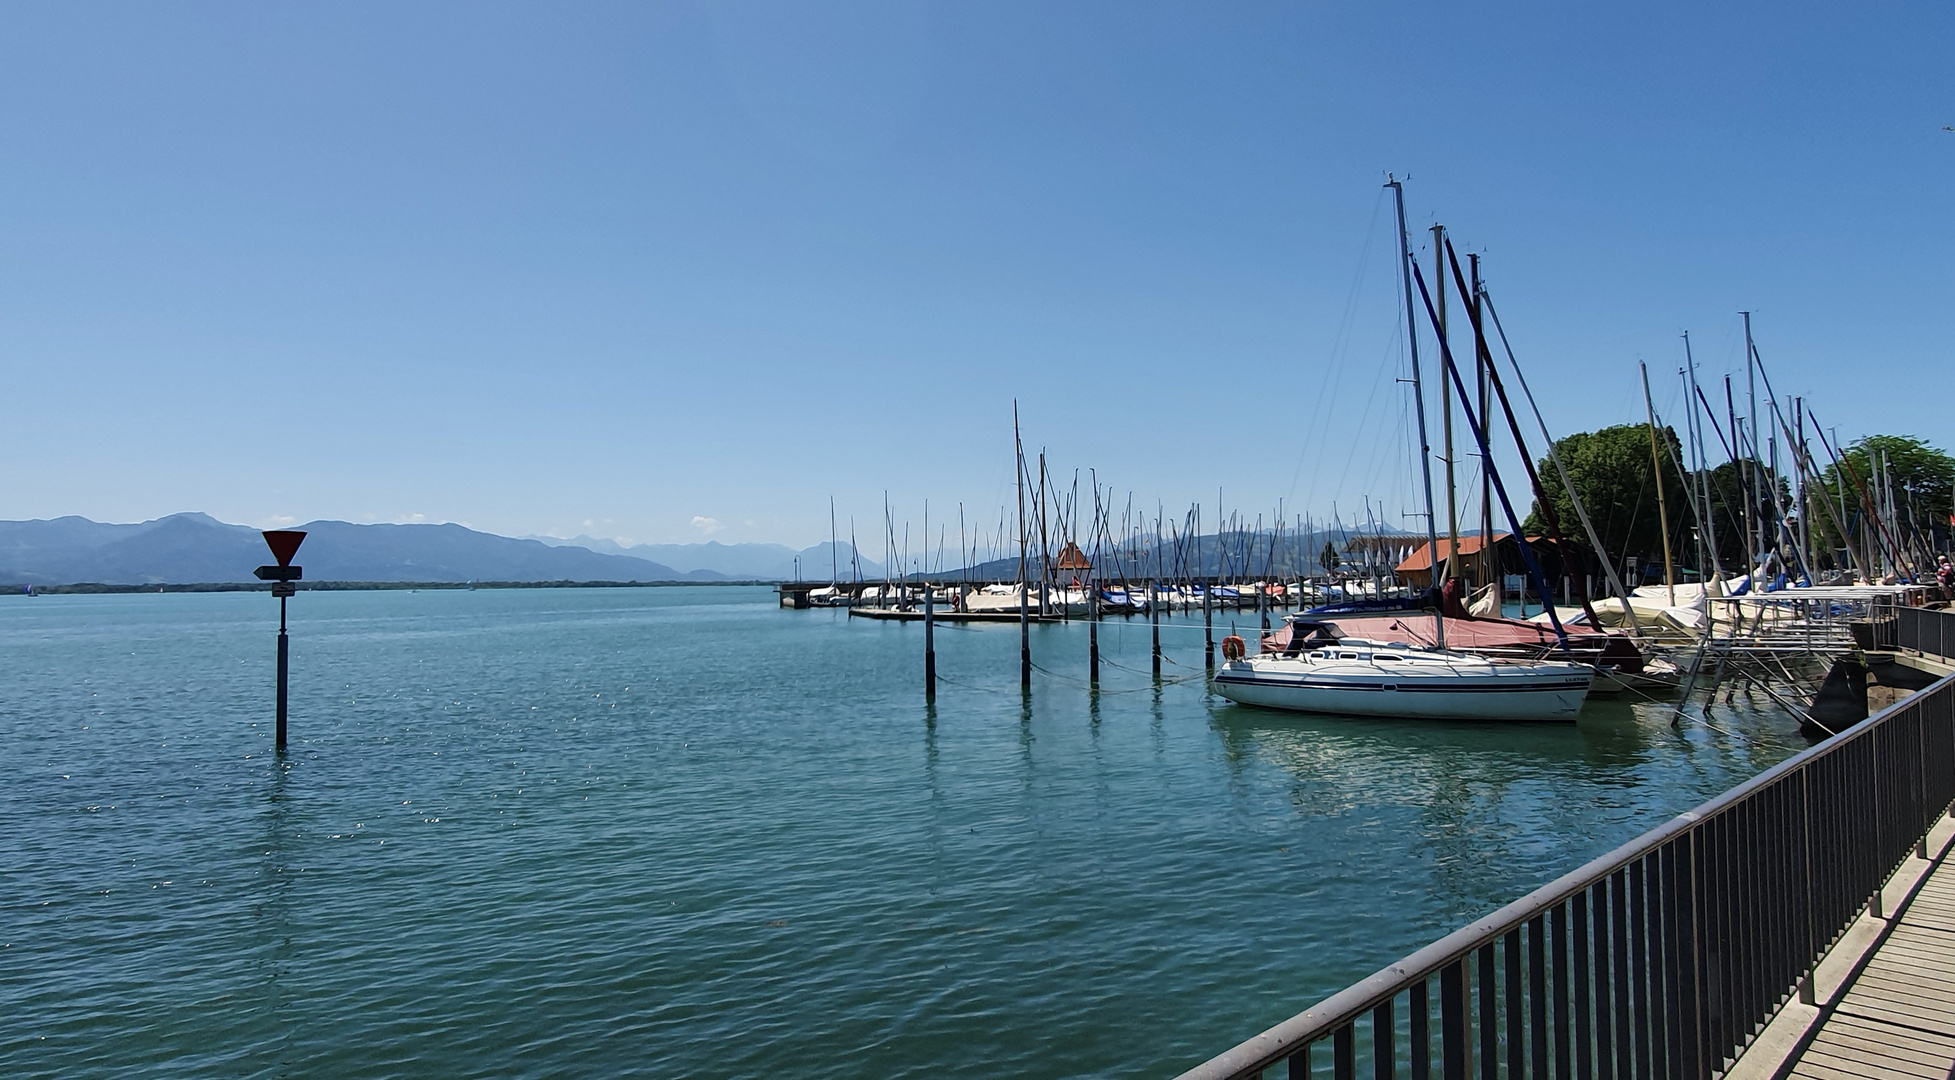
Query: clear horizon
<point x="682" y="272"/>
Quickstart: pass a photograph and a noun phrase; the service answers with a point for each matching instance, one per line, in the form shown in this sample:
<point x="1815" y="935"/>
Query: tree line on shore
<point x="1618" y="471"/>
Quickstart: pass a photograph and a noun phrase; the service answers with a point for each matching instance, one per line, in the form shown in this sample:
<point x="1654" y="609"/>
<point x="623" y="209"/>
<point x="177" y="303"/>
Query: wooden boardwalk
<point x="1897" y="1017"/>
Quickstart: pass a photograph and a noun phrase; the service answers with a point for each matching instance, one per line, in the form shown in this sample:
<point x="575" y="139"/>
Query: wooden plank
<point x="1897" y="1019"/>
<point x="1858" y="1046"/>
<point x="1861" y="998"/>
<point x="1871" y="993"/>
<point x="1869" y="1066"/>
<point x="1853" y="1027"/>
<point x="1911" y="950"/>
<point x="1899" y="989"/>
<point x="1914" y="961"/>
<point x="1924" y="933"/>
<point x="1932" y="942"/>
<point x="1854" y="1030"/>
<point x="1926" y="975"/>
<point x="1814" y="1070"/>
<point x="1909" y="978"/>
<point x="1898" y="1014"/>
<point x="1840" y="1043"/>
<point x="1914" y="950"/>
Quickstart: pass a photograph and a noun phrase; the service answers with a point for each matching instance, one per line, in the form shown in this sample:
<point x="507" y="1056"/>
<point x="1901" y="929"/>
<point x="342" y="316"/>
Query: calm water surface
<point x="680" y="832"/>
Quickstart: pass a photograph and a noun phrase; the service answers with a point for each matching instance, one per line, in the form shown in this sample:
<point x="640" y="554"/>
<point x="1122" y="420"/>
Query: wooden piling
<point x="1024" y="635"/>
<point x="1092" y="633"/>
<point x="929" y="641"/>
<point x="1208" y="626"/>
<point x="1154" y="617"/>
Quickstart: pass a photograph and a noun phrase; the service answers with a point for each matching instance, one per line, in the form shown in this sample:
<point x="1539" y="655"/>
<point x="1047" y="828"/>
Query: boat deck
<point x="1896" y="1018"/>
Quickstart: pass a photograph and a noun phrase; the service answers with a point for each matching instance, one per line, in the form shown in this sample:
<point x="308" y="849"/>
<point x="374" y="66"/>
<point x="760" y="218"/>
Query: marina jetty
<point x="1801" y="924"/>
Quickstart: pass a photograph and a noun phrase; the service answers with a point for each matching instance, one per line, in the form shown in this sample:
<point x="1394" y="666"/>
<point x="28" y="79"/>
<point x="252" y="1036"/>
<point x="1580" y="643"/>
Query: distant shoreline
<point x="19" y="588"/>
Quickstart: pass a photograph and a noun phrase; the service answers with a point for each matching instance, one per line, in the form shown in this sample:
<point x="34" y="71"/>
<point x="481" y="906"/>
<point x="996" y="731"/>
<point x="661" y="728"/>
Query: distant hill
<point x="196" y="548"/>
<point x="1237" y="554"/>
<point x="740" y="561"/>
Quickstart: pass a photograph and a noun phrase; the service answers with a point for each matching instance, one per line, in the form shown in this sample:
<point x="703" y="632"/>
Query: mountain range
<point x="763" y="562"/>
<point x="192" y="548"/>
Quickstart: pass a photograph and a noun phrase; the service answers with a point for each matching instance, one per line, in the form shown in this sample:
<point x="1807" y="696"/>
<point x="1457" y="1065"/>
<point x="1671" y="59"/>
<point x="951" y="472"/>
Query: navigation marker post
<point x="929" y="640"/>
<point x="284" y="544"/>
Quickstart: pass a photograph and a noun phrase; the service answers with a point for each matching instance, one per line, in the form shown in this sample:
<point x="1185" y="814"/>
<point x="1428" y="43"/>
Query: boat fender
<point x="1233" y="648"/>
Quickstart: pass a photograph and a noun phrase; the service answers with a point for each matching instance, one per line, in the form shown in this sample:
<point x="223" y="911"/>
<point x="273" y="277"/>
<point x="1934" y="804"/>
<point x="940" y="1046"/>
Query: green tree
<point x="1612" y="472"/>
<point x="1328" y="557"/>
<point x="1732" y="486"/>
<point x="1924" y="485"/>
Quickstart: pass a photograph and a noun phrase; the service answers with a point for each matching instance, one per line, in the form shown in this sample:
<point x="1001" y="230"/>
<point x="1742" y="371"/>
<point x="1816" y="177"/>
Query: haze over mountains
<point x="739" y="561"/>
<point x="189" y="549"/>
<point x="193" y="548"/>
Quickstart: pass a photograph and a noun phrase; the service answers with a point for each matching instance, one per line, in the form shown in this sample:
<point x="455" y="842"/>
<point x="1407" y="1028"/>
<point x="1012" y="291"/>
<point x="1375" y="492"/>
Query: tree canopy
<point x="1923" y="478"/>
<point x="1612" y="471"/>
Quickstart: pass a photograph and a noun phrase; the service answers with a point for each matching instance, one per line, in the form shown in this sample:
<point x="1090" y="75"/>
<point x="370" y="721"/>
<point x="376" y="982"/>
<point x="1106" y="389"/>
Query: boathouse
<point x="1503" y="557"/>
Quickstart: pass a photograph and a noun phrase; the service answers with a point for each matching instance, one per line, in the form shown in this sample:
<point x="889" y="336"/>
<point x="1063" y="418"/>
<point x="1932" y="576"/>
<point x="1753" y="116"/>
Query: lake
<point x="681" y="832"/>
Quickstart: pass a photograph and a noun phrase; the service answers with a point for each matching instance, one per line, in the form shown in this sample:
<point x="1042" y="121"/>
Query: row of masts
<point x="1064" y="547"/>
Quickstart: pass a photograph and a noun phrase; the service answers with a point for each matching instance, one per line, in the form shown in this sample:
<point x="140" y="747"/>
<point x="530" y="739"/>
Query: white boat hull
<point x="1444" y="691"/>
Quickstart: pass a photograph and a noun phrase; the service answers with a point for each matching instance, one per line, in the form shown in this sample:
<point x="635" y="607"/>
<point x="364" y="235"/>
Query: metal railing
<point x="1924" y="630"/>
<point x="1667" y="956"/>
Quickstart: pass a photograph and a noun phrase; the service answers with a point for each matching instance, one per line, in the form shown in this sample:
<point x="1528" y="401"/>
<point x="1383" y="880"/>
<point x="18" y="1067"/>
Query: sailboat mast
<point x="1419" y="398"/>
<point x="1482" y="363"/>
<point x="1662" y="506"/>
<point x="1024" y="616"/>
<point x="1446" y="411"/>
<point x="1750" y="421"/>
<point x="1709" y="521"/>
<point x="1561" y="467"/>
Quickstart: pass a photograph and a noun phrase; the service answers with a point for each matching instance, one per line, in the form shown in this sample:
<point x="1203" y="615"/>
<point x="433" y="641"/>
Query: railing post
<point x="1874" y="907"/>
<point x="1454" y="1035"/>
<point x="1921" y="774"/>
<point x="1806" y="989"/>
<point x="1421" y="1005"/>
<point x="1384" y="1042"/>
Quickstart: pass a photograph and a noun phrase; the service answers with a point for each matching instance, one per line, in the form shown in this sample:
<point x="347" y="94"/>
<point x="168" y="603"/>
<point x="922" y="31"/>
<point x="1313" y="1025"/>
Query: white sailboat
<point x="1322" y="672"/>
<point x="1354" y="677"/>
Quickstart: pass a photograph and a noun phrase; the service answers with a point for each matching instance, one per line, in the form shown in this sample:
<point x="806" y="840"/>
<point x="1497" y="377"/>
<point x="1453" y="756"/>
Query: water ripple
<point x="678" y="832"/>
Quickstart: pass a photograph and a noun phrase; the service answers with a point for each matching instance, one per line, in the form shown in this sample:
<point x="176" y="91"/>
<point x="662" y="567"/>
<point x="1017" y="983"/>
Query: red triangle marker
<point x="284" y="544"/>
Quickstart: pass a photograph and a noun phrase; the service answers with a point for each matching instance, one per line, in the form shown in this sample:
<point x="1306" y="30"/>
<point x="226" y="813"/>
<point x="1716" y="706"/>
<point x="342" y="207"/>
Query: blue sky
<point x="672" y="271"/>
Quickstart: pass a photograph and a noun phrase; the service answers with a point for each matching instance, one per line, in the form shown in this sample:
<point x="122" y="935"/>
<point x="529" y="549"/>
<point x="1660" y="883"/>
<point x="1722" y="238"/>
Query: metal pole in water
<point x="1092" y="631"/>
<point x="1208" y="627"/>
<point x="1154" y="617"/>
<point x="284" y="653"/>
<point x="284" y="544"/>
<point x="929" y="641"/>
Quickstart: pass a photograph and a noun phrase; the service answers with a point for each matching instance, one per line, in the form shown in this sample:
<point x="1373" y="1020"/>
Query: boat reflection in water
<point x="1323" y="673"/>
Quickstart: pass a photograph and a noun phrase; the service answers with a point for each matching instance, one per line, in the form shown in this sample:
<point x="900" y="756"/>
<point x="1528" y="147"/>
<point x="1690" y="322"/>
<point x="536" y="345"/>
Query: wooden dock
<point x="1896" y="1018"/>
<point x="945" y="615"/>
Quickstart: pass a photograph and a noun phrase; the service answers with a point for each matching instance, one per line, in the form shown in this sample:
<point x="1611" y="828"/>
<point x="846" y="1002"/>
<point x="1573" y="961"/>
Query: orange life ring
<point x="1234" y="648"/>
